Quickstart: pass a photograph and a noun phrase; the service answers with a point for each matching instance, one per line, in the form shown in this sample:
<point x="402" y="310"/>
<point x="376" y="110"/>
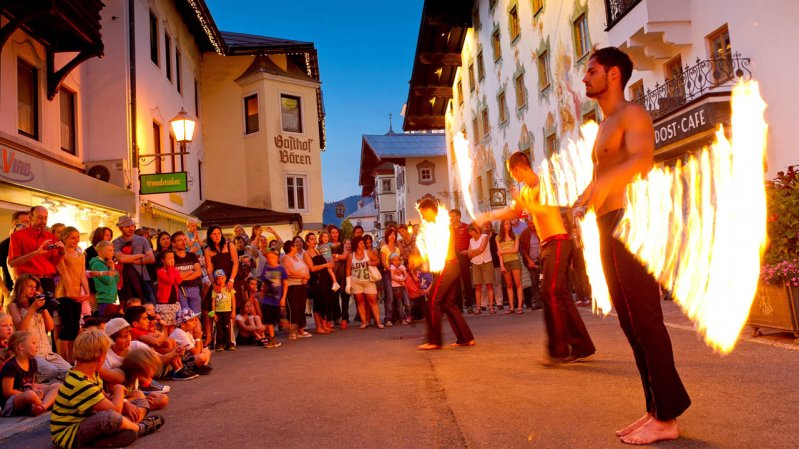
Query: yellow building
<point x="265" y="132"/>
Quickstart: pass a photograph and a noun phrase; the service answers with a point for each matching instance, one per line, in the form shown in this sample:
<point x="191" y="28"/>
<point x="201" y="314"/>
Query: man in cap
<point x="134" y="253"/>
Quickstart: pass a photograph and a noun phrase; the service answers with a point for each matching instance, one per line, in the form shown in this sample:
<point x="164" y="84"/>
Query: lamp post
<point x="183" y="128"/>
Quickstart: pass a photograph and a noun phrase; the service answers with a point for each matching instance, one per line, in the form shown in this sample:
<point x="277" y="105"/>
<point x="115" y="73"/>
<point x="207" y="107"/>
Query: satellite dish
<point x="100" y="172"/>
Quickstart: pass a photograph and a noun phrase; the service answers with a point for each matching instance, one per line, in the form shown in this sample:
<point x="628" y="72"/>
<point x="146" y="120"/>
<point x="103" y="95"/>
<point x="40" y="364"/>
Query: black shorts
<point x="205" y="306"/>
<point x="69" y="313"/>
<point x="271" y="314"/>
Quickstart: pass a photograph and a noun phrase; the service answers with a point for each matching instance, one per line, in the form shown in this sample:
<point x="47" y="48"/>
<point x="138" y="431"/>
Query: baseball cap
<point x="184" y="315"/>
<point x="115" y="325"/>
<point x="219" y="273"/>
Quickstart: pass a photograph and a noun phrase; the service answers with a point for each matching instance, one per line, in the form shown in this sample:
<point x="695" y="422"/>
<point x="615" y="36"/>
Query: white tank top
<point x="360" y="268"/>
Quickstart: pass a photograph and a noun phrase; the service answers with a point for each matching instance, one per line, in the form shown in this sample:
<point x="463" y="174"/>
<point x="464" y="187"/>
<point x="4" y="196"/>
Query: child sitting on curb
<point x="139" y="328"/>
<point x="21" y="394"/>
<point x="6" y="329"/>
<point x="188" y="336"/>
<point x="249" y="328"/>
<point x="140" y="367"/>
<point x="82" y="414"/>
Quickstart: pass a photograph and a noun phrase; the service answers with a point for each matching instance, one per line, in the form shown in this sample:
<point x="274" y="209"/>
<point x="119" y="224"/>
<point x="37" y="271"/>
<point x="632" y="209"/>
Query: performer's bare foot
<point x="652" y="431"/>
<point x="634" y="426"/>
<point x="428" y="346"/>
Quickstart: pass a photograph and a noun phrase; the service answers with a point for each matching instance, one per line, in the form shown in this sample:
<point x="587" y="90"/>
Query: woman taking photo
<point x="219" y="255"/>
<point x="72" y="291"/>
<point x="29" y="312"/>
<point x="479" y="254"/>
<point x="320" y="285"/>
<point x="509" y="264"/>
<point x="360" y="284"/>
<point x="297" y="292"/>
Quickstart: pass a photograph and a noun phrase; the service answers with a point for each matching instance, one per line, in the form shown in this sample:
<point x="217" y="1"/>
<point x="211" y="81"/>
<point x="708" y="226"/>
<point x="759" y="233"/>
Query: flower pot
<point x="775" y="307"/>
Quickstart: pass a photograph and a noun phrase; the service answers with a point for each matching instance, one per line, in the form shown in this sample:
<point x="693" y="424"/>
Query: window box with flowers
<point x="776" y="305"/>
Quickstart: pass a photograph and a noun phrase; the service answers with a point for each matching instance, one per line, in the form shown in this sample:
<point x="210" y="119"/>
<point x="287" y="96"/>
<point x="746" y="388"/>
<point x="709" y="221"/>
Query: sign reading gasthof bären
<point x="163" y="183"/>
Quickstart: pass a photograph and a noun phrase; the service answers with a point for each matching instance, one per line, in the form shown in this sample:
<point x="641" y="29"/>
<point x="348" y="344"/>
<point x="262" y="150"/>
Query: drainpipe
<point x="134" y="148"/>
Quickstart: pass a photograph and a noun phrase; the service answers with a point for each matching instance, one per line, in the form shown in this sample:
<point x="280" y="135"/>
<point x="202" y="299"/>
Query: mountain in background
<point x="350" y="204"/>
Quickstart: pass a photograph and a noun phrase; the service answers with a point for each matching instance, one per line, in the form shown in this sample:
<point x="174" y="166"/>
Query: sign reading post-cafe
<point x="696" y="123"/>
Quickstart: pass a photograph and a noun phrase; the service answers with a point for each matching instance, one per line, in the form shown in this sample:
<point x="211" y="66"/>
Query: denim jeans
<point x="189" y="298"/>
<point x="388" y="297"/>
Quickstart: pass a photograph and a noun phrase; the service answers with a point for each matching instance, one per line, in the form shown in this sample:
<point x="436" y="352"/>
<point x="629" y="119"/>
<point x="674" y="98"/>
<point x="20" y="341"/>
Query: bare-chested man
<point x="568" y="337"/>
<point x="624" y="148"/>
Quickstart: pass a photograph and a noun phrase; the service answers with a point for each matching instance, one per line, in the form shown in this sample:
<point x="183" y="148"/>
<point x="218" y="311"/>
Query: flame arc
<point x="464" y="163"/>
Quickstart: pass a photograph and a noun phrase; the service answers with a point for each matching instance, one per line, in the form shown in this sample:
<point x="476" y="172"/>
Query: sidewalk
<point x="19" y="424"/>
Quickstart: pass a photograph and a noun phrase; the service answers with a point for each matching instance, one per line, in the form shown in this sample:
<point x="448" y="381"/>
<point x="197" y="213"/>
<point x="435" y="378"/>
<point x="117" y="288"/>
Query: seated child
<point x="118" y="330"/>
<point x="83" y="415"/>
<point x="273" y="295"/>
<point x="188" y="336"/>
<point x="21" y="394"/>
<point x="105" y="279"/>
<point x="140" y="367"/>
<point x="398" y="276"/>
<point x="223" y="303"/>
<point x="251" y="294"/>
<point x="6" y="329"/>
<point x="249" y="327"/>
<point x="140" y="330"/>
<point x="169" y="280"/>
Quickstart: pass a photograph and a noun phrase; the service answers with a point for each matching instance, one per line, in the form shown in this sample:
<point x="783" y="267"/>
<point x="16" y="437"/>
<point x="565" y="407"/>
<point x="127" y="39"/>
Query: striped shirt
<point x="76" y="397"/>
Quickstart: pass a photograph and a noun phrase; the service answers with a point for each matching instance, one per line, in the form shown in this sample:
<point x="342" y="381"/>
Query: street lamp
<point x="183" y="127"/>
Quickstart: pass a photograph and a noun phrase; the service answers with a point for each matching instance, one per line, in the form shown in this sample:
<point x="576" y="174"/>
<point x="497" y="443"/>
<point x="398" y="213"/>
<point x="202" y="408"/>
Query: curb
<point x="13" y="426"/>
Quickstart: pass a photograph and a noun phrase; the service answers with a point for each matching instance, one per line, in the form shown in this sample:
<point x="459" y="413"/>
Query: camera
<point x="51" y="247"/>
<point x="50" y="303"/>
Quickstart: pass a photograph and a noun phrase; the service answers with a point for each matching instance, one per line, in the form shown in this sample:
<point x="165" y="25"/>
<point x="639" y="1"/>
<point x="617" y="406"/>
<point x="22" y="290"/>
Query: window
<point x="66" y="99"/>
<point x="471" y="77"/>
<point x="251" y="124"/>
<point x="495" y="46"/>
<point x="538" y="5"/>
<point x="157" y="146"/>
<point x="637" y="91"/>
<point x="459" y="89"/>
<point x="386" y="186"/>
<point x="178" y="71"/>
<point x="503" y="116"/>
<point x="721" y="54"/>
<point x="479" y="183"/>
<point x="291" y="112"/>
<point x="521" y="94"/>
<point x="426" y="174"/>
<point x="27" y="100"/>
<point x="168" y="55"/>
<point x="295" y="192"/>
<point x="154" y="38"/>
<point x="486" y="123"/>
<point x="674" y="79"/>
<point x="581" y="42"/>
<point x="481" y="70"/>
<point x="388" y="218"/>
<point x="543" y="70"/>
<point x="475" y="130"/>
<point x="513" y="23"/>
<point x="196" y="98"/>
<point x="173" y="150"/>
<point x="551" y="144"/>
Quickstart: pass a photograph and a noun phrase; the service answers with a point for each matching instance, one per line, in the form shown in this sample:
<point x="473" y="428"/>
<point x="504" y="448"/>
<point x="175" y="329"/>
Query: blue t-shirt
<point x="273" y="278"/>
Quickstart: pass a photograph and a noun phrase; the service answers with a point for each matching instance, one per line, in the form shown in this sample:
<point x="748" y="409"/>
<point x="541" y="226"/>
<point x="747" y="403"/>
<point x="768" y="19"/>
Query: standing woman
<point x="479" y="254"/>
<point x="72" y="291"/>
<point x="360" y="284"/>
<point x="509" y="264"/>
<point x="28" y="313"/>
<point x="238" y="231"/>
<point x="389" y="247"/>
<point x="256" y="236"/>
<point x="341" y="300"/>
<point x="320" y="285"/>
<point x="219" y="255"/>
<point x="297" y="293"/>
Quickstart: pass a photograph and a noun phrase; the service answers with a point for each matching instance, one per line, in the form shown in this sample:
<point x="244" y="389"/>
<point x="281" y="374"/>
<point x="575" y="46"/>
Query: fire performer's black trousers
<point x="443" y="301"/>
<point x="565" y="329"/>
<point x="636" y="298"/>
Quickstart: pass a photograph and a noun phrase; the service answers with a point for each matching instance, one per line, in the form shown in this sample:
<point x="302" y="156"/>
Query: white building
<point x="508" y="73"/>
<point x="365" y="216"/>
<point x="399" y="170"/>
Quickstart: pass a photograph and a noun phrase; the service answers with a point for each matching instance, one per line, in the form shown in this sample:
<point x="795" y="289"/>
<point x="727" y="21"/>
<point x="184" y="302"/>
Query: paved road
<point x="371" y="389"/>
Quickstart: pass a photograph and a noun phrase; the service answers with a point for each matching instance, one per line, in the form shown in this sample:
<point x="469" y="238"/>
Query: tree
<point x="346" y="230"/>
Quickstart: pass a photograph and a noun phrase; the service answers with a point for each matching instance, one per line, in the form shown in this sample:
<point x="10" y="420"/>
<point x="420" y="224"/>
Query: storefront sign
<point x="14" y="167"/>
<point x="288" y="148"/>
<point x="693" y="121"/>
<point x="163" y="183"/>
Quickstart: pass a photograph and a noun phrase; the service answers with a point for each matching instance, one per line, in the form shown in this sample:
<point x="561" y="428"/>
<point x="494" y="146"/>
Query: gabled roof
<point x="247" y="43"/>
<point x="201" y="24"/>
<point x="388" y="146"/>
<point x="368" y="210"/>
<point x="223" y="214"/>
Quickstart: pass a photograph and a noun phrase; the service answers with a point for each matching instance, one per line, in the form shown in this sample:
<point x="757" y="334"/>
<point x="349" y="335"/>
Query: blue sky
<point x="366" y="54"/>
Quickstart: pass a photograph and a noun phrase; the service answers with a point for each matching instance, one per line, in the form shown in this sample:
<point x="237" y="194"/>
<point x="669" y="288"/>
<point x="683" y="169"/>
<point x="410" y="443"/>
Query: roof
<point x="387" y="146"/>
<point x="442" y="33"/>
<point x="223" y="214"/>
<point x="201" y="24"/>
<point x="264" y="64"/>
<point x="368" y="210"/>
<point x="247" y="43"/>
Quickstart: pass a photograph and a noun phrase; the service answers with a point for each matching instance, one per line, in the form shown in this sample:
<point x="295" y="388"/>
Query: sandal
<point x="380" y="326"/>
<point x="509" y="311"/>
<point x="476" y="311"/>
<point x="363" y="326"/>
<point x="492" y="310"/>
<point x="519" y="311"/>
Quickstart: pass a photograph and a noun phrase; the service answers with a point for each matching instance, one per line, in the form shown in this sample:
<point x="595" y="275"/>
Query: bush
<point x="782" y="203"/>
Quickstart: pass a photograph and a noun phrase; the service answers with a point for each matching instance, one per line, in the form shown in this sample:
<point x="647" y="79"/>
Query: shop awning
<point x="223" y="214"/>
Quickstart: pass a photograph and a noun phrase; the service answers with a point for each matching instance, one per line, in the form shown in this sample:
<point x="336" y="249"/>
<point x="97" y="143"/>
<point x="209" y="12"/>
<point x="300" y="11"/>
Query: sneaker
<point x="220" y="348"/>
<point x="204" y="370"/>
<point x="184" y="374"/>
<point x="389" y="323"/>
<point x="304" y="334"/>
<point x="150" y="424"/>
<point x="273" y="343"/>
<point x="156" y="387"/>
<point x="230" y="348"/>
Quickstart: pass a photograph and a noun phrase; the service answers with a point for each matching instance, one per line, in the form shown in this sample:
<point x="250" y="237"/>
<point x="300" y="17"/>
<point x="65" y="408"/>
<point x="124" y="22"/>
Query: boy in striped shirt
<point x="82" y="414"/>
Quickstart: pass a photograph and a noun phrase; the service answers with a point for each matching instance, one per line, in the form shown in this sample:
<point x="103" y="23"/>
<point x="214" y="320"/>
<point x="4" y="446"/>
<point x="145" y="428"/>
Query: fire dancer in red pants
<point x="443" y="294"/>
<point x="568" y="337"/>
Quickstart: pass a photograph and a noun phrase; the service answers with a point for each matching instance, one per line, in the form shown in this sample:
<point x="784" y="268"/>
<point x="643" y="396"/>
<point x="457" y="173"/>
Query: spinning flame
<point x="464" y="162"/>
<point x="700" y="227"/>
<point x="433" y="240"/>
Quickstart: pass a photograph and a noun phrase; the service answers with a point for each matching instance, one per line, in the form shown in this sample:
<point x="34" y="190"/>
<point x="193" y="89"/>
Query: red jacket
<point x="168" y="281"/>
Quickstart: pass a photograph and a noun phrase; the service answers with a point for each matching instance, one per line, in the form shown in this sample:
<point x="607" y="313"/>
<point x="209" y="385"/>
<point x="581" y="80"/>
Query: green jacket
<point x="106" y="286"/>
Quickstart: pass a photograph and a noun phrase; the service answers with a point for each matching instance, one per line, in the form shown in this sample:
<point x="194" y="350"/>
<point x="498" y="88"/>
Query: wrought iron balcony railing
<point x="616" y="9"/>
<point x="693" y="83"/>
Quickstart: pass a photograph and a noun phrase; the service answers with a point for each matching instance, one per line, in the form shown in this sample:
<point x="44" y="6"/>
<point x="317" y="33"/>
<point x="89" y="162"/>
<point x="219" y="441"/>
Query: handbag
<point x="374" y="274"/>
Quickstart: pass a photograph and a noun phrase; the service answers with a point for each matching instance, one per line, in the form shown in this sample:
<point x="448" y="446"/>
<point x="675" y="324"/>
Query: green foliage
<point x="346" y="230"/>
<point x="782" y="205"/>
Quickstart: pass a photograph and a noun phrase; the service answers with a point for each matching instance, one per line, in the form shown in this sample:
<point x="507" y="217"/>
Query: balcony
<point x="616" y="9"/>
<point x="703" y="77"/>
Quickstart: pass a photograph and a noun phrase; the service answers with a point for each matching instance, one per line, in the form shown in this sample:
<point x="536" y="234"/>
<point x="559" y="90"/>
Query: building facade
<point x="507" y="74"/>
<point x="365" y="216"/>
